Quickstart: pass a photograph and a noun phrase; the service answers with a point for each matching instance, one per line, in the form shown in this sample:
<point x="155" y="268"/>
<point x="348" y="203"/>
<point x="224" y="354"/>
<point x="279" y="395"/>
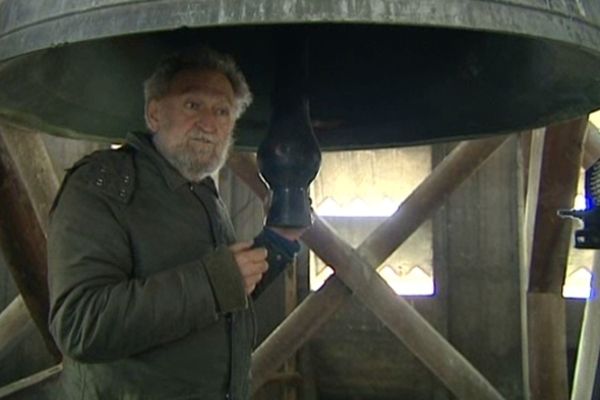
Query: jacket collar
<point x="142" y="141"/>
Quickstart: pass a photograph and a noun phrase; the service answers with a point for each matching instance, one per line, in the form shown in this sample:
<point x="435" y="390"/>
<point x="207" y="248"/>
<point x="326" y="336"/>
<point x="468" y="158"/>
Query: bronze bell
<point x="382" y="73"/>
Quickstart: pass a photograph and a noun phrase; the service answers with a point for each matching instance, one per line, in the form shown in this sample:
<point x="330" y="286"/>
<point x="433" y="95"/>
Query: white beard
<point x="191" y="163"/>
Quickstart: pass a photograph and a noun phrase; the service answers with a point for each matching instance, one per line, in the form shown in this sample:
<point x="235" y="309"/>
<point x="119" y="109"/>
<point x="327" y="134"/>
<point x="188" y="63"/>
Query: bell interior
<point x="369" y="86"/>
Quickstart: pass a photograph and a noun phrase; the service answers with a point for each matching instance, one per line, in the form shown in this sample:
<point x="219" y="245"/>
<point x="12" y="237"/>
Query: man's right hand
<point x="251" y="262"/>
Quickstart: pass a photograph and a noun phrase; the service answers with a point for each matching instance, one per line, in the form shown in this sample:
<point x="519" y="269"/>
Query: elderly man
<point x="149" y="289"/>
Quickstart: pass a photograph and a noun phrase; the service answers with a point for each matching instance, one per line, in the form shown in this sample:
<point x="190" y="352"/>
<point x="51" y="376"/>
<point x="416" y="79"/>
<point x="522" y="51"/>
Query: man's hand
<point x="251" y="262"/>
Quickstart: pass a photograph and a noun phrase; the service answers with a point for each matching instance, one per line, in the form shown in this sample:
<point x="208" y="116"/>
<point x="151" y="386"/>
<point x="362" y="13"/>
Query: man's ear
<point x="153" y="115"/>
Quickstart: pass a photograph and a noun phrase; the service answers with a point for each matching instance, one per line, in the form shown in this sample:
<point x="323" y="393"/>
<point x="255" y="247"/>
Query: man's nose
<point x="206" y="120"/>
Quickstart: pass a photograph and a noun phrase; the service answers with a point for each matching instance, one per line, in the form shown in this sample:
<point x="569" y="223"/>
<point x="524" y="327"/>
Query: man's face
<point x="194" y="121"/>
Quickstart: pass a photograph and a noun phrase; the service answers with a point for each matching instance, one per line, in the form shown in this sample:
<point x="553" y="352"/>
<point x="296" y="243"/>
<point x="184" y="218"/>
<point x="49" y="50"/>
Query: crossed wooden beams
<point x="356" y="269"/>
<point x="355" y="272"/>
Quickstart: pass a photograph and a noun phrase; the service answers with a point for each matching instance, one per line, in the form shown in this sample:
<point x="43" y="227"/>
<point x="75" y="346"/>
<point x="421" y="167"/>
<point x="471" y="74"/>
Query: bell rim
<point x="23" y="34"/>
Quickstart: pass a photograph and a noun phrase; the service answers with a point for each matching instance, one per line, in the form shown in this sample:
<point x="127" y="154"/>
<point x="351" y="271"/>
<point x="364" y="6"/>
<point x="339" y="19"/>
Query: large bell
<point x="381" y="72"/>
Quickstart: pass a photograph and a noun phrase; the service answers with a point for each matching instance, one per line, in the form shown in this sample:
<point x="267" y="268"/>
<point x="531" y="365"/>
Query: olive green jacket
<point x="146" y="298"/>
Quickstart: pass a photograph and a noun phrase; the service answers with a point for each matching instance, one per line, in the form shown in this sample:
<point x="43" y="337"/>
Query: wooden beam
<point x="30" y="381"/>
<point x="14" y="321"/>
<point x="422" y="339"/>
<point x="591" y="152"/>
<point x="561" y="163"/>
<point x="589" y="341"/>
<point x="420" y="205"/>
<point x="32" y="161"/>
<point x="23" y="243"/>
<point x="588" y="350"/>
<point x="531" y="188"/>
<point x="464" y="381"/>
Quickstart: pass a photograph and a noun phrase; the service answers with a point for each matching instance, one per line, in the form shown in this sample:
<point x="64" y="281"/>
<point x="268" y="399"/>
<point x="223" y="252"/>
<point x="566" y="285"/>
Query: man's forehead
<point x="209" y="82"/>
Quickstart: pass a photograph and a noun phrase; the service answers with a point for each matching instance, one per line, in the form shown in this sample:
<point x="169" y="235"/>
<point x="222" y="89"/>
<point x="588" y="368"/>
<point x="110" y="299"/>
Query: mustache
<point x="199" y="135"/>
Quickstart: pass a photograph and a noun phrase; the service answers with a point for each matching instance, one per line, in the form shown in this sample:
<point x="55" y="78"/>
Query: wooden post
<point x="23" y="243"/>
<point x="591" y="152"/>
<point x="562" y="157"/>
<point x="290" y="367"/>
<point x="589" y="339"/>
<point x="464" y="380"/>
<point x="589" y="342"/>
<point x="32" y="162"/>
<point x="531" y="188"/>
<point x="30" y="381"/>
<point x="460" y="164"/>
<point x="13" y="323"/>
<point x="448" y="365"/>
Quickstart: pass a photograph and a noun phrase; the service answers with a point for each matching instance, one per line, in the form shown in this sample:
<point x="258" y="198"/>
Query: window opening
<point x="356" y="191"/>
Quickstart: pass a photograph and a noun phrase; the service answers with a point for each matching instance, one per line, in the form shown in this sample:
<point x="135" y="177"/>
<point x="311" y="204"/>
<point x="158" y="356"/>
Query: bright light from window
<point x="595" y="119"/>
<point x="578" y="285"/>
<point x="579" y="265"/>
<point x="416" y="282"/>
<point x="357" y="208"/>
<point x="580" y="202"/>
<point x="356" y="191"/>
<point x="317" y="279"/>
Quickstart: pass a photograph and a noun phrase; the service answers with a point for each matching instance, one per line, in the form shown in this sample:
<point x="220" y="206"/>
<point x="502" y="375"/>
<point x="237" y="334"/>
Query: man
<point x="149" y="290"/>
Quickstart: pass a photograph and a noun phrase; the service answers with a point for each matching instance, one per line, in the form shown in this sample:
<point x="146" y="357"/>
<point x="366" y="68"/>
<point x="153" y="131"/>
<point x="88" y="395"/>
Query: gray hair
<point x="205" y="58"/>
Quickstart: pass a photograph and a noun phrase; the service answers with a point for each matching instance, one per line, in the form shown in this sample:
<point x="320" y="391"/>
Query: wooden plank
<point x="561" y="163"/>
<point x="547" y="346"/>
<point x="24" y="244"/>
<point x="589" y="341"/>
<point x="290" y="367"/>
<point x="591" y="152"/>
<point x="462" y="378"/>
<point x="562" y="158"/>
<point x="30" y="381"/>
<point x="588" y="350"/>
<point x="531" y="189"/>
<point x="34" y="168"/>
<point x="436" y="353"/>
<point x="479" y="260"/>
<point x="14" y="321"/>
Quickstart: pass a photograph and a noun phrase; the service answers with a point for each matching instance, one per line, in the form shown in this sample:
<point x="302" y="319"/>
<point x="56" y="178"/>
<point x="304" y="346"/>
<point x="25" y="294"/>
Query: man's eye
<point x="191" y="105"/>
<point x="223" y="112"/>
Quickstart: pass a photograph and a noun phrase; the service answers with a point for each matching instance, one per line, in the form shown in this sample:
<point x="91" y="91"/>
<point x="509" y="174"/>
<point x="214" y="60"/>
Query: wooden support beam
<point x="561" y="163"/>
<point x="531" y="185"/>
<point x="591" y="152"/>
<point x="589" y="341"/>
<point x="14" y="321"/>
<point x="32" y="162"/>
<point x="460" y="376"/>
<point x="23" y="242"/>
<point x="588" y="350"/>
<point x="23" y="384"/>
<point x="422" y="339"/>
